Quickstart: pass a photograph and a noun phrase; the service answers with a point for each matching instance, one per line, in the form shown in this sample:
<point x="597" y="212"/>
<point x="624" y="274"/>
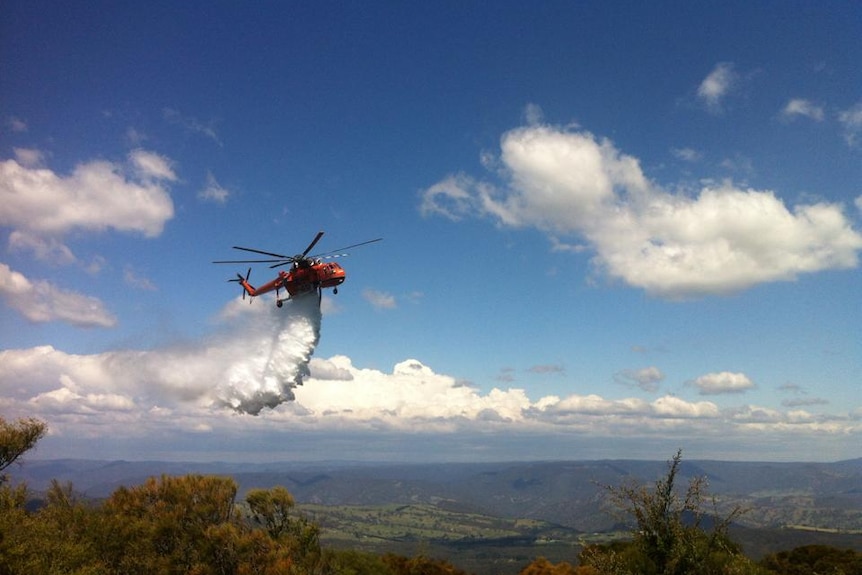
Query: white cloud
<point x="851" y="119"/>
<point x="63" y="400"/>
<point x="647" y="378"/>
<point x="253" y="363"/>
<point x="595" y="405"/>
<point x="451" y="198"/>
<point x="804" y="108"/>
<point x="135" y="280"/>
<point x="722" y="382"/>
<point x="96" y="196"/>
<point x="29" y="157"/>
<point x="161" y="396"/>
<point x="213" y="192"/>
<point x="150" y="166"/>
<point x="41" y="301"/>
<point x="716" y="86"/>
<point x="687" y="154"/>
<point x="135" y="137"/>
<point x="192" y="125"/>
<point x="379" y="299"/>
<point x="674" y="407"/>
<point x="533" y="114"/>
<point x="43" y="249"/>
<point x="17" y="125"/>
<point x="673" y="245"/>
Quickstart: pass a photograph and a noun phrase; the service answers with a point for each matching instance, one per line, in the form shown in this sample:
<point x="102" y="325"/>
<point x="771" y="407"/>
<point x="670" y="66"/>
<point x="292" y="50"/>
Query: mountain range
<point x="811" y="496"/>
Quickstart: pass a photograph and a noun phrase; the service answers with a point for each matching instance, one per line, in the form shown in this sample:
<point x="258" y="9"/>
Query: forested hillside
<point x="204" y="523"/>
<point x="826" y="496"/>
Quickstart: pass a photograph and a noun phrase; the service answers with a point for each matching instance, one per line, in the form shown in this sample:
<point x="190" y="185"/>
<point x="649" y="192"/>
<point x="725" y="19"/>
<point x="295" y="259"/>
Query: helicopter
<point x="307" y="274"/>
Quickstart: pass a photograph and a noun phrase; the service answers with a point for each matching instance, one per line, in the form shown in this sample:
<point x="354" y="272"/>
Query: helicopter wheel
<point x="279" y="303"/>
<point x="334" y="291"/>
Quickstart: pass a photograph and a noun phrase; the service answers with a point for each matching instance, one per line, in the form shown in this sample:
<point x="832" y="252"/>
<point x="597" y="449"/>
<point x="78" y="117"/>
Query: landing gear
<point x="334" y="291"/>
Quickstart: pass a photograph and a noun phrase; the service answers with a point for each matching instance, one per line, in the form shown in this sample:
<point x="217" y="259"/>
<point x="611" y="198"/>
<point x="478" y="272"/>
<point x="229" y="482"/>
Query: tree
<point x="162" y="525"/>
<point x="353" y="562"/>
<point x="58" y="536"/>
<point x="271" y="509"/>
<point x="814" y="559"/>
<point x="420" y="565"/>
<point x="670" y="537"/>
<point x="16" y="439"/>
<point x="542" y="566"/>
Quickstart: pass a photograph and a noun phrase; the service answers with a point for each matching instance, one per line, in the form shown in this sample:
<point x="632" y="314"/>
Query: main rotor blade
<point x="346" y="248"/>
<point x="313" y="243"/>
<point x="282" y="256"/>
<point x="248" y="261"/>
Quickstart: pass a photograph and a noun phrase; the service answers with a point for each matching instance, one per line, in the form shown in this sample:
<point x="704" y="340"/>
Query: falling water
<point x="279" y="348"/>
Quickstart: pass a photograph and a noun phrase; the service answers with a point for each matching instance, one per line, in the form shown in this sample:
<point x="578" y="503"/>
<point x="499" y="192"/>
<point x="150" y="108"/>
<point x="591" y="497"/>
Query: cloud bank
<point x="254" y="362"/>
<point x="260" y="362"/>
<point x="722" y="239"/>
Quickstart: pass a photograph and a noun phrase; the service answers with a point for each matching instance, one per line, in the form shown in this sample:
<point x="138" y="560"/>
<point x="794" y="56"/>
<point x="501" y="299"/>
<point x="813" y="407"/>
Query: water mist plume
<point x="279" y="348"/>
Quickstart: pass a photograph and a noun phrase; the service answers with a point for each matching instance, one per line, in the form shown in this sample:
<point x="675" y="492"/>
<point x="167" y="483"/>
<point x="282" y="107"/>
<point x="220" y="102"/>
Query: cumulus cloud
<point x="799" y="107"/>
<point x="171" y="393"/>
<point x="722" y="382"/>
<point x="723" y="239"/>
<point x="41" y="301"/>
<point x="716" y="86"/>
<point x="252" y="363"/>
<point x="96" y="196"/>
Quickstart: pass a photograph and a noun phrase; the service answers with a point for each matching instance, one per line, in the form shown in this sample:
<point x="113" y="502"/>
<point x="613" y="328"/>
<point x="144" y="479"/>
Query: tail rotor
<point x="240" y="280"/>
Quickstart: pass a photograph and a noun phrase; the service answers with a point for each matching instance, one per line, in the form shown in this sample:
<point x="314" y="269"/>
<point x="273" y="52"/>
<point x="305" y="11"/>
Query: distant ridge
<point x="813" y="495"/>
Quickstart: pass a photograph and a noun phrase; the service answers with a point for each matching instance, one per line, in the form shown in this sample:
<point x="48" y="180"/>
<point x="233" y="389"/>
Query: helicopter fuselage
<point x="316" y="275"/>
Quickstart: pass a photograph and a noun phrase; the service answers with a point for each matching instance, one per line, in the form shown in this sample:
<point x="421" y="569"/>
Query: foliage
<point x="16" y="439"/>
<point x="814" y="559"/>
<point x="192" y="525"/>
<point x="542" y="566"/>
<point x="420" y="565"/>
<point x="670" y="537"/>
<point x="271" y="508"/>
<point x="170" y="525"/>
<point x="351" y="562"/>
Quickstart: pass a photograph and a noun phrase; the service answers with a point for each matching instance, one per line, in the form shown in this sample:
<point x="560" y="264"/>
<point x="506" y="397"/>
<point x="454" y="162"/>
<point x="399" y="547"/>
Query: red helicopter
<point x="307" y="273"/>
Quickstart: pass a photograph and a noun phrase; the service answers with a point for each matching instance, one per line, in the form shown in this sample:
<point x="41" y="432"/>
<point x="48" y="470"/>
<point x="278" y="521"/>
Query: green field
<point x="476" y="542"/>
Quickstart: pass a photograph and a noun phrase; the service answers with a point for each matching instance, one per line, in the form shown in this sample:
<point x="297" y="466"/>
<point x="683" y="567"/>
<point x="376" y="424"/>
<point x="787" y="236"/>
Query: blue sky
<point x="610" y="230"/>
